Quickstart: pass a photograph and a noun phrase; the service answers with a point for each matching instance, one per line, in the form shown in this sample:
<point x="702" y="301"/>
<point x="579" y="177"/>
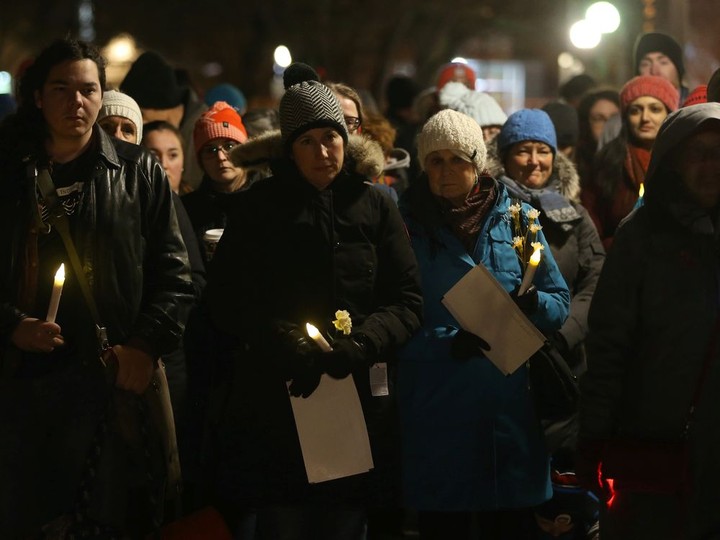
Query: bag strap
<point x="59" y="219"/>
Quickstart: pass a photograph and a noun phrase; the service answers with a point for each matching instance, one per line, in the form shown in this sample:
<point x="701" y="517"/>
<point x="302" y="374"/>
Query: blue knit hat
<point x="527" y="125"/>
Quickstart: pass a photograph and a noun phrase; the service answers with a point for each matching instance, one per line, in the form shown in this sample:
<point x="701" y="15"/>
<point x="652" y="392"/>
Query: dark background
<point x="363" y="42"/>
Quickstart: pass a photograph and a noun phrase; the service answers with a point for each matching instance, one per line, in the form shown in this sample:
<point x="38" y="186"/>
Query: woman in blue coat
<point x="473" y="450"/>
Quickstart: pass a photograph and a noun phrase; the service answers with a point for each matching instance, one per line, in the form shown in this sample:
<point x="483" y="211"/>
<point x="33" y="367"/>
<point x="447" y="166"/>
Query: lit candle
<point x="641" y="191"/>
<point x="56" y="292"/>
<point x="318" y="338"/>
<point x="530" y="272"/>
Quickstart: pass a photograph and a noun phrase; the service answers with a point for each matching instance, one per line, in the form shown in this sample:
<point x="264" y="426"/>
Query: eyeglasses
<point x="353" y="122"/>
<point x="211" y="151"/>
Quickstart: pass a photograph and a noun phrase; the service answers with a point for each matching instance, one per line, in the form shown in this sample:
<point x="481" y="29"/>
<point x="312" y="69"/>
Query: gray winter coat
<point x="578" y="252"/>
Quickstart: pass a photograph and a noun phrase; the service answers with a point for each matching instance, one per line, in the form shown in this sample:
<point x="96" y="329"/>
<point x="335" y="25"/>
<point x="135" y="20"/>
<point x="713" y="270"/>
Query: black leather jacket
<point x="127" y="235"/>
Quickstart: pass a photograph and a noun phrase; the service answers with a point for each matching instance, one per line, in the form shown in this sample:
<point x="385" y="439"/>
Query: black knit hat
<point x="308" y="104"/>
<point x="657" y="42"/>
<point x="565" y="119"/>
<point x="152" y="83"/>
<point x="713" y="87"/>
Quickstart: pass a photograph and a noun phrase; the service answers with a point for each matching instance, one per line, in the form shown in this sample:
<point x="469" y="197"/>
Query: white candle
<point x="56" y="292"/>
<point x="318" y="338"/>
<point x="530" y="272"/>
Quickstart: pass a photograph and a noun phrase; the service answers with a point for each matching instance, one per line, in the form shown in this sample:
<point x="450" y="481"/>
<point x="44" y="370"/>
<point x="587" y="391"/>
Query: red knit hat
<point x="219" y="121"/>
<point x="699" y="95"/>
<point x="456" y="71"/>
<point x="649" y="85"/>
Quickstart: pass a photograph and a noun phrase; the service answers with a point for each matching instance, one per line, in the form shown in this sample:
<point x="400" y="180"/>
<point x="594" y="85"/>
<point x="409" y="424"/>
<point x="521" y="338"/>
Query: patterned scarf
<point x="466" y="220"/>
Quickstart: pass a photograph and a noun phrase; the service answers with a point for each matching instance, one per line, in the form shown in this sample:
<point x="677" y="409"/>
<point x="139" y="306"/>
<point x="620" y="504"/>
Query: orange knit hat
<point x="220" y="121"/>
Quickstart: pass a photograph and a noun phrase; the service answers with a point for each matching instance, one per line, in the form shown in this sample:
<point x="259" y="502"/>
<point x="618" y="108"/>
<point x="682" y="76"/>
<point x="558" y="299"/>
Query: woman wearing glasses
<point x="216" y="133"/>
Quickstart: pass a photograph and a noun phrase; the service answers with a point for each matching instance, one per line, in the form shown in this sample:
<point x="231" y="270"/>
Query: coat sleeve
<point x="399" y="308"/>
<point x="613" y="328"/>
<point x="591" y="256"/>
<point x="168" y="290"/>
<point x="553" y="294"/>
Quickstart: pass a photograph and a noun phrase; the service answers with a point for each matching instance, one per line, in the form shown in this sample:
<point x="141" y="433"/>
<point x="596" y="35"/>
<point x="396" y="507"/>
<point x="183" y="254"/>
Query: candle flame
<point x="641" y="191"/>
<point x="60" y="274"/>
<point x="312" y="331"/>
<point x="535" y="257"/>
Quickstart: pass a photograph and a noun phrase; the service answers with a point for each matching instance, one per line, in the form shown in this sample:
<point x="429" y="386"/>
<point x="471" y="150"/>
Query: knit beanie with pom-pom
<point x="308" y="104"/>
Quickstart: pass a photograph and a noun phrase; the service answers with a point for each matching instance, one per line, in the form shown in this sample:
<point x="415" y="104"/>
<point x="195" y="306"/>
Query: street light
<point x="584" y="35"/>
<point x="282" y="56"/>
<point x="603" y="16"/>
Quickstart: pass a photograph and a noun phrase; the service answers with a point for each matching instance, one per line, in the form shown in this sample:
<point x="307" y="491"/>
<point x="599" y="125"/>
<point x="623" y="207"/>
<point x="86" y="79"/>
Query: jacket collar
<point x="563" y="169"/>
<point x="106" y="147"/>
<point x="365" y="155"/>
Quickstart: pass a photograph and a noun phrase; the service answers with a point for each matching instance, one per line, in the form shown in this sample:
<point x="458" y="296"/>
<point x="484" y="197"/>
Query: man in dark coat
<point x="62" y="462"/>
<point x="653" y="329"/>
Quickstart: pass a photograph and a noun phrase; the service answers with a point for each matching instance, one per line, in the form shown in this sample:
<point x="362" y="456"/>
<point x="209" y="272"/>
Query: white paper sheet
<point x="483" y="307"/>
<point x="332" y="431"/>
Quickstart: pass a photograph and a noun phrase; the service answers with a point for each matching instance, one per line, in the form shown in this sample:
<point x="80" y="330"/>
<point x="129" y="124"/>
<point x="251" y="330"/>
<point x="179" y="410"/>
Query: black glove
<point x="349" y="353"/>
<point x="528" y="301"/>
<point x="298" y="358"/>
<point x="466" y="344"/>
<point x="304" y="383"/>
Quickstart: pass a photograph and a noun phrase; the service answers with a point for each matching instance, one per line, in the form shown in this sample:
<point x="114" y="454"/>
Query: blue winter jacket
<point x="471" y="440"/>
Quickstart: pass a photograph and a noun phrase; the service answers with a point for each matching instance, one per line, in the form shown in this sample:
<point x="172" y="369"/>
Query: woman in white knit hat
<point x="120" y="116"/>
<point x="474" y="458"/>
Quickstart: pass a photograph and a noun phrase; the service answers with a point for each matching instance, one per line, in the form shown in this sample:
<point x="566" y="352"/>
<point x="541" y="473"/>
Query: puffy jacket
<point x="294" y="253"/>
<point x="471" y="439"/>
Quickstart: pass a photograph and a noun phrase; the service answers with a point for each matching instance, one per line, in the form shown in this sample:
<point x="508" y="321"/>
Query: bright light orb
<point x="282" y="56"/>
<point x="459" y="60"/>
<point x="566" y="60"/>
<point x="5" y="82"/>
<point x="121" y="49"/>
<point x="603" y="16"/>
<point x="584" y="35"/>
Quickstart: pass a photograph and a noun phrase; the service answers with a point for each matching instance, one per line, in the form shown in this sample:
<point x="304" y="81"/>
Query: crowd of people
<point x="191" y="237"/>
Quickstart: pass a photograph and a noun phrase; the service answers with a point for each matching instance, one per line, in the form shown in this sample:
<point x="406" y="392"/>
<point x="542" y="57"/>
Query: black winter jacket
<point x="294" y="253"/>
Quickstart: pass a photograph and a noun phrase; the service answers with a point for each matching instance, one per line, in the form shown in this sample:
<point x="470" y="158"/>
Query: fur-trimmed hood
<point x="262" y="151"/>
<point x="563" y="169"/>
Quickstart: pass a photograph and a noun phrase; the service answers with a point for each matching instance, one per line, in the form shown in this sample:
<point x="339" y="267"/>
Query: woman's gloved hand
<point x="466" y="344"/>
<point x="528" y="301"/>
<point x="349" y="353"/>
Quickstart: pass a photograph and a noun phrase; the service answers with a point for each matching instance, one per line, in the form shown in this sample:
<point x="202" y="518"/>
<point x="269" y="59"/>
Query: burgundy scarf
<point x="466" y="220"/>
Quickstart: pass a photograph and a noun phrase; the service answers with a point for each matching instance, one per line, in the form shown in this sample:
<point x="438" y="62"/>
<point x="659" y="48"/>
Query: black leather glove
<point x="528" y="301"/>
<point x="466" y="344"/>
<point x="349" y="353"/>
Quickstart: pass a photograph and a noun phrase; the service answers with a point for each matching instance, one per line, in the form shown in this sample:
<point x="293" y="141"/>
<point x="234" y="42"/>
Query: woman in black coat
<point x="313" y="239"/>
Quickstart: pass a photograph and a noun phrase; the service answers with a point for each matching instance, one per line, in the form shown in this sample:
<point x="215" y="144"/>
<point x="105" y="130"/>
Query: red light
<point x="609" y="483"/>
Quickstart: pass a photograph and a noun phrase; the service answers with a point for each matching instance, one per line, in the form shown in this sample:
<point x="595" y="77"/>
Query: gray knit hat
<point x="478" y="105"/>
<point x="454" y="131"/>
<point x="308" y="104"/>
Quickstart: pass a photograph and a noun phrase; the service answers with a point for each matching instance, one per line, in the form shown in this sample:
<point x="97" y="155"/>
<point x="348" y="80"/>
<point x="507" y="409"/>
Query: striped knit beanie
<point x="308" y="104"/>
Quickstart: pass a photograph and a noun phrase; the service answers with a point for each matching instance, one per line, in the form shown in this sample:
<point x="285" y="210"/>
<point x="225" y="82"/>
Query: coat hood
<point x="365" y="154"/>
<point x="678" y="126"/>
<point x="563" y="170"/>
